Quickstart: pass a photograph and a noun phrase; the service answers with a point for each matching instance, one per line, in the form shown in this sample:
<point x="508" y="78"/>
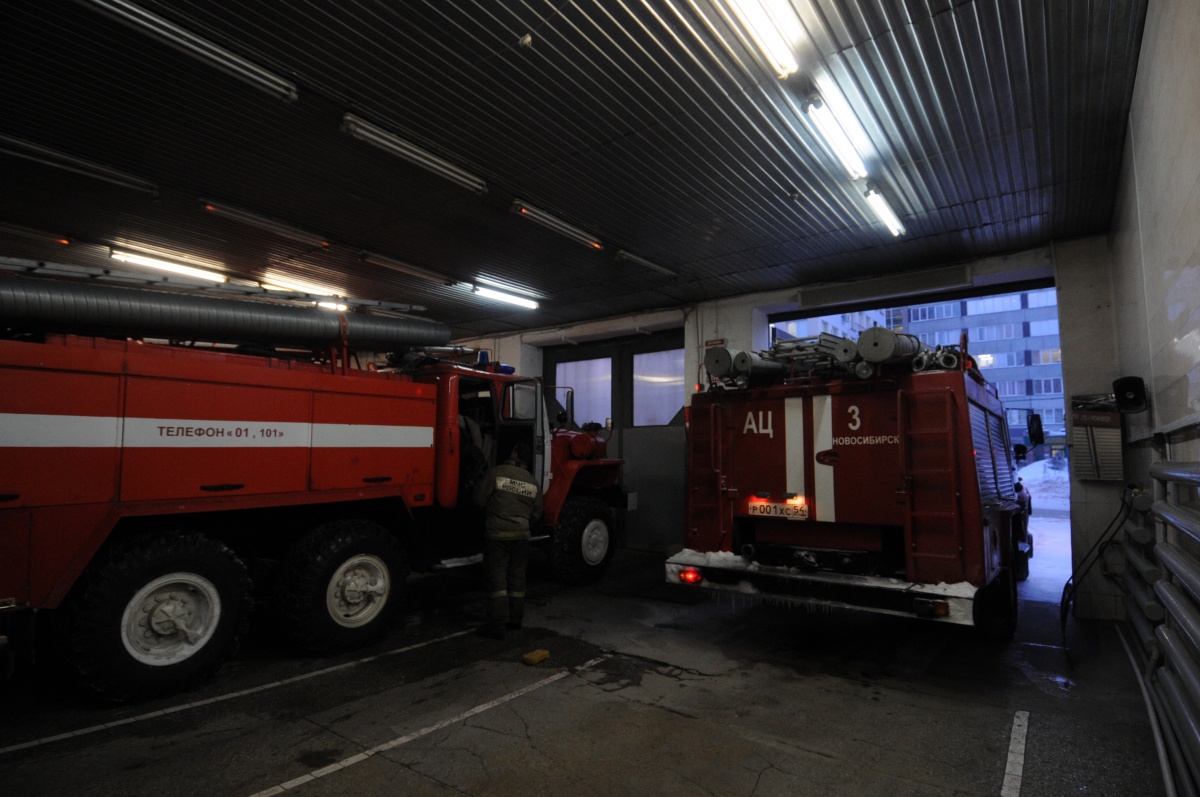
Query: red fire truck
<point x="149" y="490"/>
<point x="873" y="475"/>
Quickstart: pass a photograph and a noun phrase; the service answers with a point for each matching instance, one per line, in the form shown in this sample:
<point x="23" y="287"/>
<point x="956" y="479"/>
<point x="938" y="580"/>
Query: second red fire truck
<point x="873" y="475"/>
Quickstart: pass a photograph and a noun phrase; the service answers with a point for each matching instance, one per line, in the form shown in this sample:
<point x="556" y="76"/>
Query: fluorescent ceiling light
<point x="165" y="265"/>
<point x="275" y="282"/>
<point x="332" y="306"/>
<point x="558" y="225"/>
<point x="501" y="296"/>
<point x="629" y="257"/>
<point x="835" y="136"/>
<point x="394" y="145"/>
<point x="761" y="18"/>
<point x="190" y="44"/>
<point x="264" y="223"/>
<point x="69" y="163"/>
<point x="405" y="268"/>
<point x="884" y="212"/>
<point x="504" y="286"/>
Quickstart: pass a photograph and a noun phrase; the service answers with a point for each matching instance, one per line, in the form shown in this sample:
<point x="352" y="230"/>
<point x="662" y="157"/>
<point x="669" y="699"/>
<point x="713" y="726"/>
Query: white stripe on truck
<point x="793" y="424"/>
<point x="823" y="441"/>
<point x="21" y="430"/>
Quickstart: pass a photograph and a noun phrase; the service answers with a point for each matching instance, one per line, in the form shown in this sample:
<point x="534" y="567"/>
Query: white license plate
<point x="778" y="510"/>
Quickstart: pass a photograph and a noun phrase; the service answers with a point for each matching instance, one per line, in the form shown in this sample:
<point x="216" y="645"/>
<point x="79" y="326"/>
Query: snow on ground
<point x="1049" y="488"/>
<point x="1050" y="566"/>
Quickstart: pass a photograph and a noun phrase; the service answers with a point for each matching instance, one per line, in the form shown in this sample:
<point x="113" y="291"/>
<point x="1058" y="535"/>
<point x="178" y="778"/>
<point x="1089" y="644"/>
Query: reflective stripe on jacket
<point x="513" y="501"/>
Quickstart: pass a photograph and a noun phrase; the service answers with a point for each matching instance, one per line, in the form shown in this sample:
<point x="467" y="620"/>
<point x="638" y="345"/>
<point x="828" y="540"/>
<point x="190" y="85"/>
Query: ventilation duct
<point x="49" y="305"/>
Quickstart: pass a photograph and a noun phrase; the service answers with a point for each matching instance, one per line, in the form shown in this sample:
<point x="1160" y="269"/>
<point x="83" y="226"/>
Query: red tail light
<point x="690" y="575"/>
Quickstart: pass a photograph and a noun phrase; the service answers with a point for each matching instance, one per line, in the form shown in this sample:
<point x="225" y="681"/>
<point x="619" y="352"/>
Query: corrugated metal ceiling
<point x="657" y="126"/>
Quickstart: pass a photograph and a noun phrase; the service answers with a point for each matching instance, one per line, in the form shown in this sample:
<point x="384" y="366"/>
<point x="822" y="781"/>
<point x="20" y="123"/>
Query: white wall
<point x="1156" y="243"/>
<point x="1156" y="229"/>
<point x="1087" y="335"/>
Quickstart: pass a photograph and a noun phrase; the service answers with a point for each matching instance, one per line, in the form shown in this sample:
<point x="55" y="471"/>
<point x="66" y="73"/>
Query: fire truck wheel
<point x="340" y="585"/>
<point x="1020" y="563"/>
<point x="582" y="541"/>
<point x="995" y="609"/>
<point x="157" y="616"/>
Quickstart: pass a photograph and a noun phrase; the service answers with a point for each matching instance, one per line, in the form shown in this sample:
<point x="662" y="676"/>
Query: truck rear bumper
<point x="731" y="574"/>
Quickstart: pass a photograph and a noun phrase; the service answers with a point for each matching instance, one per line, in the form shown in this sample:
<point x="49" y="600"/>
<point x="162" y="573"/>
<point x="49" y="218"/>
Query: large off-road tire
<point x="340" y="586"/>
<point x="582" y="542"/>
<point x="995" y="609"/>
<point x="157" y="616"/>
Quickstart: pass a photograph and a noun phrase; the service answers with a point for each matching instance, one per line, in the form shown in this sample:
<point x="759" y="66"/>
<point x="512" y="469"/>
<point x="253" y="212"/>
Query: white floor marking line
<point x="1015" y="769"/>
<point x="230" y="696"/>
<point x="394" y="743"/>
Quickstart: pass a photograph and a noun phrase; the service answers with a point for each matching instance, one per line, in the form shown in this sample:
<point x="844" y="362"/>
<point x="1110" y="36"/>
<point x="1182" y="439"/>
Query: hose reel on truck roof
<point x="829" y="356"/>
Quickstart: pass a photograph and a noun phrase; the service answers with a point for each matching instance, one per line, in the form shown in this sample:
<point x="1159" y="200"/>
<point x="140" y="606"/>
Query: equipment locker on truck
<point x="150" y="486"/>
<point x="872" y="475"/>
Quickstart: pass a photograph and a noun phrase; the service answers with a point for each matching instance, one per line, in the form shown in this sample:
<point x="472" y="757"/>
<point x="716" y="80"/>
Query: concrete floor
<point x="649" y="690"/>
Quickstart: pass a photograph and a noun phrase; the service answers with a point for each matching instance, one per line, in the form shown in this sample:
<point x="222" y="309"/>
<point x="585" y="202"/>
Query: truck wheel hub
<point x="594" y="541"/>
<point x="358" y="591"/>
<point x="170" y="619"/>
<point x="170" y="616"/>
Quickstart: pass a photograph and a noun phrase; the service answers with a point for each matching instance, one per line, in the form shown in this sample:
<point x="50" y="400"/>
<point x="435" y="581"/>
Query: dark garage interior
<point x="611" y="196"/>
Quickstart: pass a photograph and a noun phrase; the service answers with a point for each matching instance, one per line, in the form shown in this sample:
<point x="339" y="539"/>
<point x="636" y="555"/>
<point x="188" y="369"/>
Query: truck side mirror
<point x="1034" y="425"/>
<point x="1019" y="452"/>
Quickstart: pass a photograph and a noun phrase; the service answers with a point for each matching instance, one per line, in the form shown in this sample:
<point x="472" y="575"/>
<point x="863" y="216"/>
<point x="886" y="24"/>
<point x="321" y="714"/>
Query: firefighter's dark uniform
<point x="513" y="501"/>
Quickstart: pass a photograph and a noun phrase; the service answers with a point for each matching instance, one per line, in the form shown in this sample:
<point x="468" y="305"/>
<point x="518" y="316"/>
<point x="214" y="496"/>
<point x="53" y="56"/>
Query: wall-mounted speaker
<point x="1130" y="394"/>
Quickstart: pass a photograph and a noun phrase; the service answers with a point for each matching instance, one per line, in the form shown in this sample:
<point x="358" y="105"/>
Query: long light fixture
<point x="405" y="268"/>
<point x="884" y="211"/>
<point x="273" y="281"/>
<point x="394" y="145"/>
<point x="165" y="265"/>
<point x="759" y="21"/>
<point x="628" y="257"/>
<point x="504" y="286"/>
<point x="29" y="151"/>
<point x="501" y="296"/>
<point x="558" y="225"/>
<point x="835" y="136"/>
<point x="190" y="44"/>
<point x="264" y="223"/>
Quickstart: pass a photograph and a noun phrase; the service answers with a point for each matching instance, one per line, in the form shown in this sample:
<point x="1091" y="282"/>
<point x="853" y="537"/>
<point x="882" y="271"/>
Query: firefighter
<point x="513" y="501"/>
<point x="1023" y="498"/>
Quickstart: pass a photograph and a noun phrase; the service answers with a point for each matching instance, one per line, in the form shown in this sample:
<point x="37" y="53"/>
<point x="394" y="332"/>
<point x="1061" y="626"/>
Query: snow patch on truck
<point x="960" y="596"/>
<point x="727" y="560"/>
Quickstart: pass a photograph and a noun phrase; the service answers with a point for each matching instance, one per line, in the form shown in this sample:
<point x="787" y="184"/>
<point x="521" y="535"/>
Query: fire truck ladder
<point x="930" y="469"/>
<point x="709" y="499"/>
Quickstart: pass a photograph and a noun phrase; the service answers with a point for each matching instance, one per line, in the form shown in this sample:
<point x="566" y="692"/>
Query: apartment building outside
<point x="1012" y="336"/>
